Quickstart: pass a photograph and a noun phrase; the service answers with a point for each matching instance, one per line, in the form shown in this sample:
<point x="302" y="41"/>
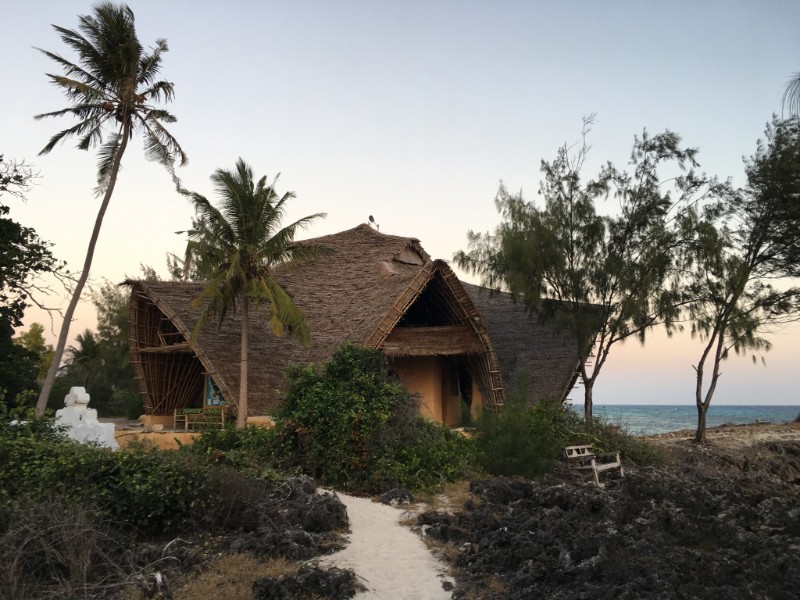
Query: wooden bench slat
<point x="584" y="458"/>
<point x="214" y="417"/>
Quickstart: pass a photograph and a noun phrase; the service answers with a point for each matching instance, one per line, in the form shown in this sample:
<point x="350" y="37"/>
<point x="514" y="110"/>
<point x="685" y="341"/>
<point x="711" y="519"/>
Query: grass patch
<point x="231" y="577"/>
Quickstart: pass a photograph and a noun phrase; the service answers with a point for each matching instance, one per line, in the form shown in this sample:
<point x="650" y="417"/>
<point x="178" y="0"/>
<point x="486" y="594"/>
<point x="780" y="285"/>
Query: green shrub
<point x="152" y="491"/>
<point x="353" y="427"/>
<point x="249" y="451"/>
<point x="125" y="403"/>
<point x="520" y="440"/>
<point x="526" y="441"/>
<point x="609" y="437"/>
<point x="422" y="458"/>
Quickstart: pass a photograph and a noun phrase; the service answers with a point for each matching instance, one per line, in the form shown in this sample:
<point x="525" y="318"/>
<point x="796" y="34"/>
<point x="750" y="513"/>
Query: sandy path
<point x="389" y="559"/>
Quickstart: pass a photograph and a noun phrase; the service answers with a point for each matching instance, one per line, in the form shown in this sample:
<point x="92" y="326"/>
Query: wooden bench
<point x="586" y="459"/>
<point x="196" y="417"/>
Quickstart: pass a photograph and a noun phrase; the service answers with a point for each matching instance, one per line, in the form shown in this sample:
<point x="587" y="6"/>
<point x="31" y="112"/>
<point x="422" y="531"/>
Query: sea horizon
<point x="649" y="419"/>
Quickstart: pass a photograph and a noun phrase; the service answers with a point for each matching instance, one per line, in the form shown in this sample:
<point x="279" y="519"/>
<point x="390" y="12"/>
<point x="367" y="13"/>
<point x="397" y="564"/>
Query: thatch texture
<point x="532" y="352"/>
<point x="365" y="287"/>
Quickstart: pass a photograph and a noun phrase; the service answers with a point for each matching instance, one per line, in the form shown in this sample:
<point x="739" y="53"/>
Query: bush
<point x="249" y="451"/>
<point x="608" y="437"/>
<point x="125" y="403"/>
<point x="153" y="491"/>
<point x="353" y="427"/>
<point x="422" y="458"/>
<point x="527" y="441"/>
<point x="54" y="547"/>
<point x="520" y="440"/>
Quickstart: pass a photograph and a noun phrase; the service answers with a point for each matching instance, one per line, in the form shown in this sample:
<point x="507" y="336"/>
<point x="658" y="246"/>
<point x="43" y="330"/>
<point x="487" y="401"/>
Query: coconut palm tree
<point x="85" y="359"/>
<point x="240" y="243"/>
<point x="791" y="95"/>
<point x="112" y="88"/>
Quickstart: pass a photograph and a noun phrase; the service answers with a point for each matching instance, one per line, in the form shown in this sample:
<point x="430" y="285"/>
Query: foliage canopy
<point x="602" y="278"/>
<point x="747" y="246"/>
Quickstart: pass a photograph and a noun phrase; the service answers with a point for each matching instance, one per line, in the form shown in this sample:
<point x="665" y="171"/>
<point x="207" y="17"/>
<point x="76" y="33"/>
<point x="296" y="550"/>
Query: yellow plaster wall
<point x="261" y="421"/>
<point x="150" y="420"/>
<point x="451" y="400"/>
<point x="168" y="438"/>
<point x="163" y="440"/>
<point x="422" y="375"/>
<point x="430" y="378"/>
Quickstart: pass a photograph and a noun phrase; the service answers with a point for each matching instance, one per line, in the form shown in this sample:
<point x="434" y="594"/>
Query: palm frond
<point x="285" y="316"/>
<point x="284" y="237"/>
<point x="105" y="160"/>
<point x="160" y="145"/>
<point x="82" y="111"/>
<point x="77" y="129"/>
<point x="93" y="133"/>
<point x="73" y="88"/>
<point x="243" y="234"/>
<point x="150" y="64"/>
<point x="71" y="69"/>
<point x="791" y="95"/>
<point x="160" y="115"/>
<point x="161" y="91"/>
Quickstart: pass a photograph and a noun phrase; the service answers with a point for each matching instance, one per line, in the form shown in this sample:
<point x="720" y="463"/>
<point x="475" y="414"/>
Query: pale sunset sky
<point x="412" y="111"/>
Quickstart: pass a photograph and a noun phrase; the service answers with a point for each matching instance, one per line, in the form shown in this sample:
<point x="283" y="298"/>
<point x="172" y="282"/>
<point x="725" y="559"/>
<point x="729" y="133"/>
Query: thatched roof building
<point x="377" y="290"/>
<point x="535" y="357"/>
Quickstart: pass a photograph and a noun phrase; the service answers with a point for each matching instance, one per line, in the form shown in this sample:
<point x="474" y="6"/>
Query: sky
<point x="413" y="112"/>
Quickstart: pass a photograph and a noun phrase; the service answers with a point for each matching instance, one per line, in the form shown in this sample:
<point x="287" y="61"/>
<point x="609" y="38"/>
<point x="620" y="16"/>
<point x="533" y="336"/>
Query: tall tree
<point x="242" y="241"/>
<point x="192" y="266"/>
<point x="86" y="359"/>
<point x="745" y="245"/>
<point x="33" y="340"/>
<point x="100" y="361"/>
<point x="24" y="257"/>
<point x="112" y="89"/>
<point x="612" y="277"/>
<point x="791" y="95"/>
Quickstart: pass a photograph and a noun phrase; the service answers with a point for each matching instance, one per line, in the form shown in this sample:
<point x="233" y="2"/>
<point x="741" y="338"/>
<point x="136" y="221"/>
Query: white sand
<point x="389" y="559"/>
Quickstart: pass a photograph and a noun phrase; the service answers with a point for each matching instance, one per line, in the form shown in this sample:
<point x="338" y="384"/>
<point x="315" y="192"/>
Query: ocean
<point x="640" y="419"/>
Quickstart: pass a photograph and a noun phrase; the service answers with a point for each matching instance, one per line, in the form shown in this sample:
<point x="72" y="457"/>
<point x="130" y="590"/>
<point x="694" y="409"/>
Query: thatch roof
<point x="358" y="292"/>
<point x="532" y="351"/>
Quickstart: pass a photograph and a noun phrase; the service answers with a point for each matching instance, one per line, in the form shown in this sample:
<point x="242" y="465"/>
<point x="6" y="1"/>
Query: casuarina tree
<point x="747" y="251"/>
<point x="602" y="278"/>
<point x="113" y="88"/>
<point x="240" y="242"/>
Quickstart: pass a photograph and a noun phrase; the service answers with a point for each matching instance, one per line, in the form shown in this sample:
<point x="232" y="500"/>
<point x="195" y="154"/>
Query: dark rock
<point x="712" y="526"/>
<point x="295" y="522"/>
<point x="397" y="496"/>
<point x="321" y="513"/>
<point x="333" y="584"/>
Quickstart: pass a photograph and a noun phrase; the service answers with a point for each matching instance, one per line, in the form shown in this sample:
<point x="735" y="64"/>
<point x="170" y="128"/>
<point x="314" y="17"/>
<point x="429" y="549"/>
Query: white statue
<point x="81" y="421"/>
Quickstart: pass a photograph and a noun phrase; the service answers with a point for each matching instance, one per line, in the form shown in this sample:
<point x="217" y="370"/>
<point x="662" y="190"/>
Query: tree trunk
<point x="588" y="386"/>
<point x="241" y="411"/>
<point x="700" y="400"/>
<point x="700" y="434"/>
<point x="47" y="385"/>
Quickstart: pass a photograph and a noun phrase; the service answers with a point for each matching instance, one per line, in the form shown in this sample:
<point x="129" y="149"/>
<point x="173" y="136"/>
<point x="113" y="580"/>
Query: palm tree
<point x="240" y="242"/>
<point x="791" y="95"/>
<point x="110" y="88"/>
<point x="85" y="359"/>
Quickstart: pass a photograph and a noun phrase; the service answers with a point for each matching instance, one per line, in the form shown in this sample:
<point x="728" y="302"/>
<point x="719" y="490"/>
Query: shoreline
<point x="734" y="434"/>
